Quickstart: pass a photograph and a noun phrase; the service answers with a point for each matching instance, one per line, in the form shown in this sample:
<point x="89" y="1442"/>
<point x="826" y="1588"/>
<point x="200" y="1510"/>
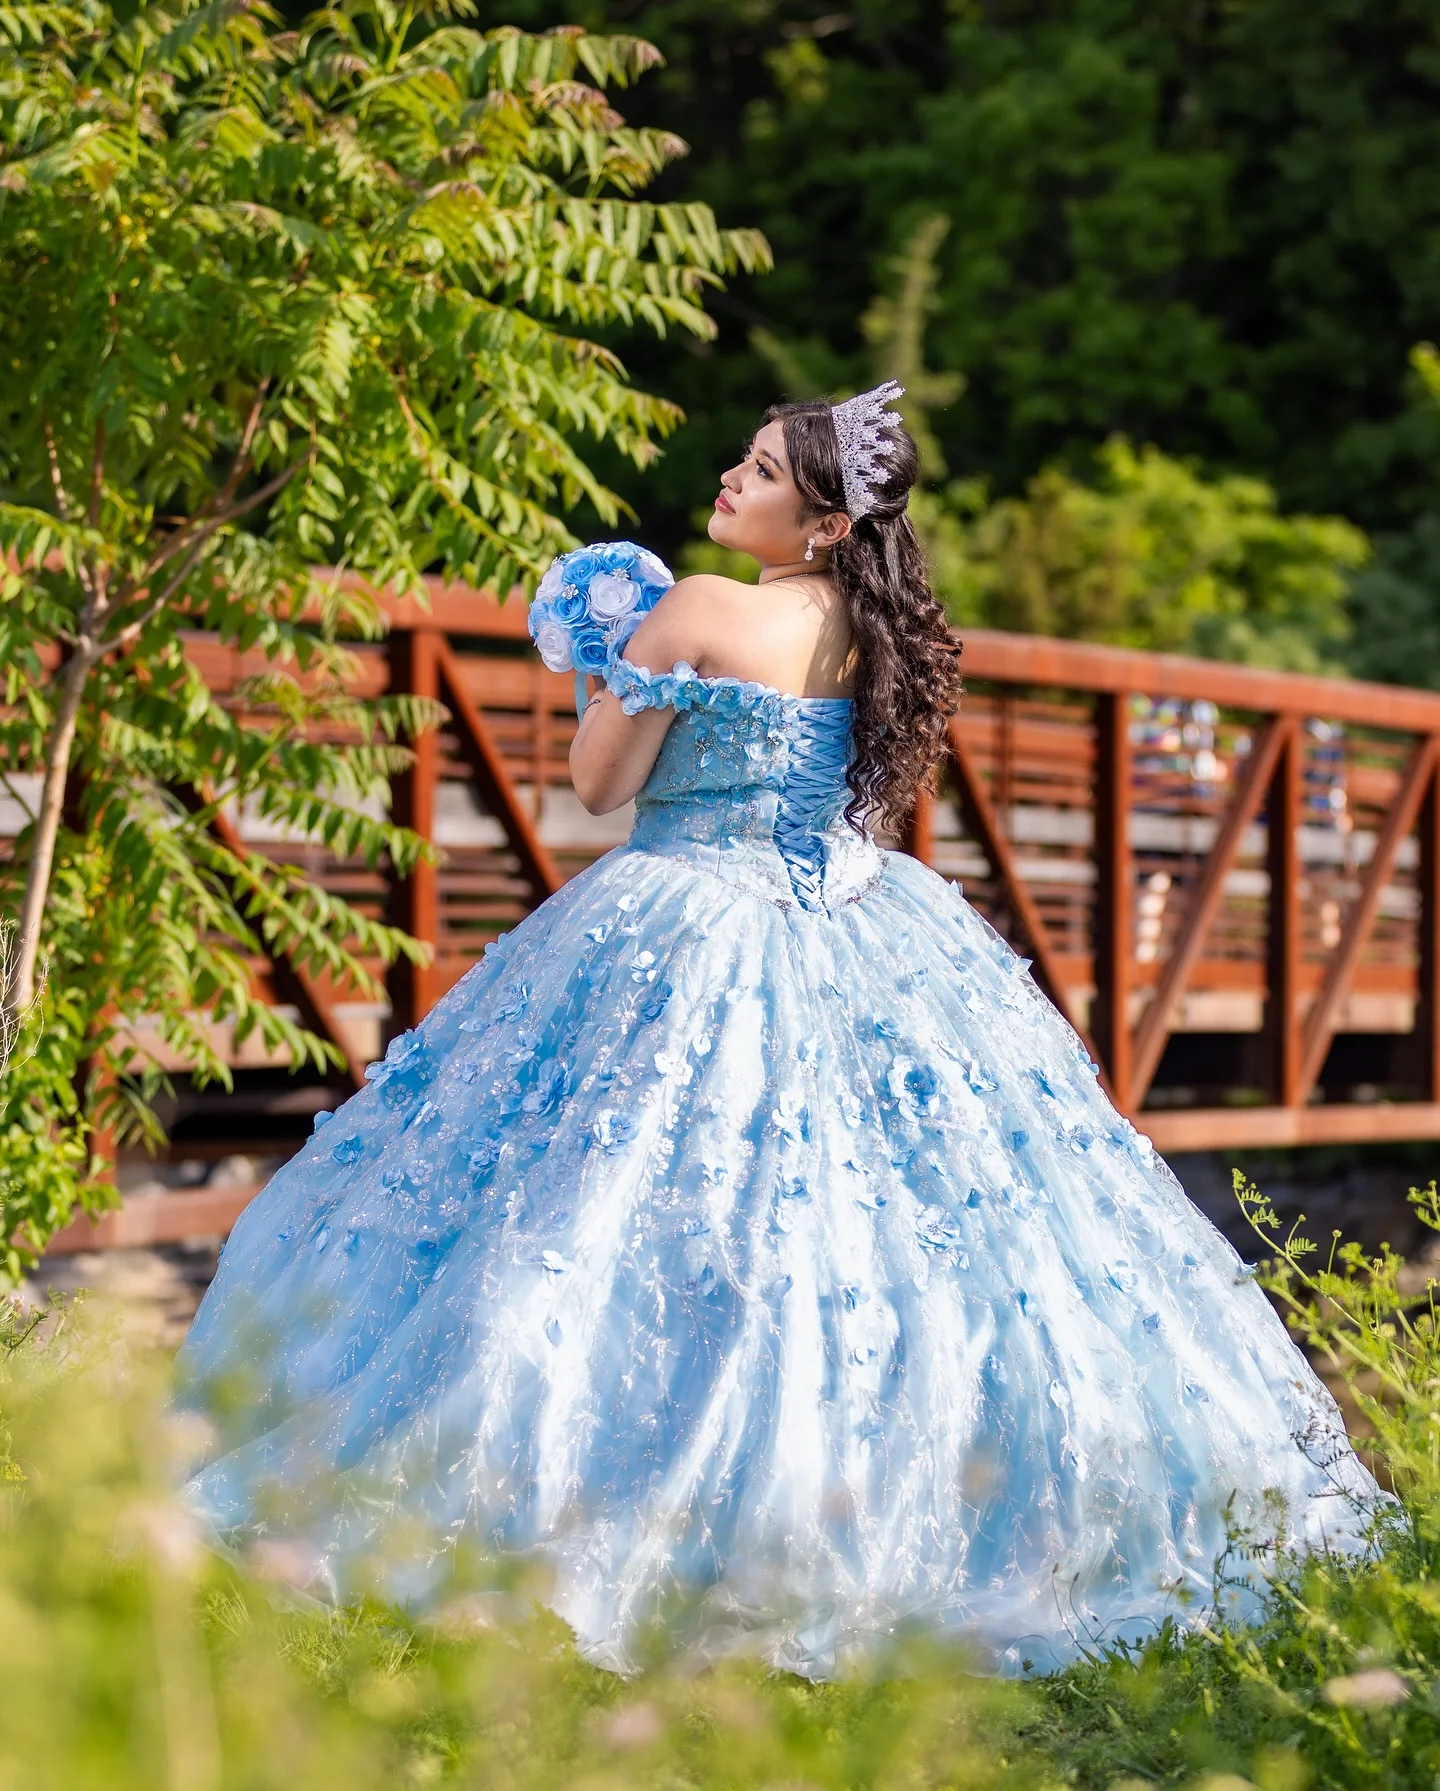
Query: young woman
<point x="746" y="1228"/>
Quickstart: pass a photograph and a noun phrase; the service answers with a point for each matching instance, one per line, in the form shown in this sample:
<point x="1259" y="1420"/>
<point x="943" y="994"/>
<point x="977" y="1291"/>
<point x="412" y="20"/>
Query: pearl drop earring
<point x="810" y="548"/>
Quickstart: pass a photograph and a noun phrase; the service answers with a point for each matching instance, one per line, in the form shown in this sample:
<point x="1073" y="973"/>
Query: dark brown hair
<point x="907" y="683"/>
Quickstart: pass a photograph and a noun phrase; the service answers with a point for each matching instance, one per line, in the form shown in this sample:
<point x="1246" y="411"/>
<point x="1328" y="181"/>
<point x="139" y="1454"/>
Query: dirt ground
<point x="160" y="1287"/>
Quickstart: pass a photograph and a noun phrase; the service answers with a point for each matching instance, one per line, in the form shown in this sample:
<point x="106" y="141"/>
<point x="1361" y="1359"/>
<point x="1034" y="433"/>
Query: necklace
<point x="787" y="577"/>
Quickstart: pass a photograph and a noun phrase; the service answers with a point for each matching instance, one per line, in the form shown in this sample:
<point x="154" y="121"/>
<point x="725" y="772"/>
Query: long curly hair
<point x="907" y="683"/>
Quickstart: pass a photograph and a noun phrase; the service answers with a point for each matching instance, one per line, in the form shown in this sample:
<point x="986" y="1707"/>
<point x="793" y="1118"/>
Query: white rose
<point x="653" y="569"/>
<point x="612" y="595"/>
<point x="553" y="642"/>
<point x="623" y="630"/>
<point x="553" y="581"/>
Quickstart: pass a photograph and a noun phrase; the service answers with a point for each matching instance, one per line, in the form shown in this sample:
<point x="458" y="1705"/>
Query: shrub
<point x="1151" y="553"/>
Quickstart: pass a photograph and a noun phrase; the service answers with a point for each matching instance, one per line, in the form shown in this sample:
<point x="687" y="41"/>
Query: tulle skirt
<point x="783" y="1275"/>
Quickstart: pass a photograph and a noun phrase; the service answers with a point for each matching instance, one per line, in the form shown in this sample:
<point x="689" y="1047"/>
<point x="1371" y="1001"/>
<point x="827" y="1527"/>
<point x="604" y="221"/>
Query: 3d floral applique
<point x="683" y="689"/>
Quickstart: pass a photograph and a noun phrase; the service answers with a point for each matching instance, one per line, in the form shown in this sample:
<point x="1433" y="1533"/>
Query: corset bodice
<point x="751" y="785"/>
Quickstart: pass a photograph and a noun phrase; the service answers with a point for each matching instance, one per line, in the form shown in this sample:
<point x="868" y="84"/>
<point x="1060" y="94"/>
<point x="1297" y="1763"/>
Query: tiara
<point x="862" y="424"/>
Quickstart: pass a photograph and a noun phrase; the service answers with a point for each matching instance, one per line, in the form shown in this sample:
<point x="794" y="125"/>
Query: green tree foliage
<point x="1210" y="228"/>
<point x="270" y="297"/>
<point x="1147" y="552"/>
<point x="1150" y="554"/>
<point x="1394" y="599"/>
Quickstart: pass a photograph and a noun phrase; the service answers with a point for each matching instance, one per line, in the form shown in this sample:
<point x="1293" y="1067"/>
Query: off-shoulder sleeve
<point x="682" y="687"/>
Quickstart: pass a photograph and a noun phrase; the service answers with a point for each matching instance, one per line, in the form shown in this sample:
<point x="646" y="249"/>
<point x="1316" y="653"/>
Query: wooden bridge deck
<point x="1229" y="879"/>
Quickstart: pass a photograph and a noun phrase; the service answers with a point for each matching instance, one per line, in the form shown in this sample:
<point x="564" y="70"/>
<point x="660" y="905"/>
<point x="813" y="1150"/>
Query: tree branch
<point x="128" y="635"/>
<point x="261" y="493"/>
<point x="21" y="990"/>
<point x="132" y="631"/>
<point x="62" y="502"/>
<point x="97" y="476"/>
<point x="92" y="580"/>
<point x="16" y="798"/>
<point x="89" y="648"/>
<point x="247" y="435"/>
<point x="179" y="541"/>
<point x="98" y="571"/>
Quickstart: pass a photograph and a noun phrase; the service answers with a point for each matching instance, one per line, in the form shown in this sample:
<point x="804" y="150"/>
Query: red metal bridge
<point x="1229" y="880"/>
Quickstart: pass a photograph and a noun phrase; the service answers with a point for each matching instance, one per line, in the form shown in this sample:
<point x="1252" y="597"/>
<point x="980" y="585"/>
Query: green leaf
<point x="270" y="298"/>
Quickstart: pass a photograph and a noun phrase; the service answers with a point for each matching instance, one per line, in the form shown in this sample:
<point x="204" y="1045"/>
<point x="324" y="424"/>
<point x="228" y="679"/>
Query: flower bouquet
<point x="589" y="604"/>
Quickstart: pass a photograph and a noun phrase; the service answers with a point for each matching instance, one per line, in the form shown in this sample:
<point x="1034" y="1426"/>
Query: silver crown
<point x="866" y="444"/>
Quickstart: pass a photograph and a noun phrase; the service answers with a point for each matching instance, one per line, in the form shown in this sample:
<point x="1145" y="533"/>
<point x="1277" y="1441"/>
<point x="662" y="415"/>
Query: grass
<point x="130" y="1657"/>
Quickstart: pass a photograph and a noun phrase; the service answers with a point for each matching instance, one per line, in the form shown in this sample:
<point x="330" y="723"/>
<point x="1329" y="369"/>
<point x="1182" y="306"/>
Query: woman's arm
<point x="612" y="753"/>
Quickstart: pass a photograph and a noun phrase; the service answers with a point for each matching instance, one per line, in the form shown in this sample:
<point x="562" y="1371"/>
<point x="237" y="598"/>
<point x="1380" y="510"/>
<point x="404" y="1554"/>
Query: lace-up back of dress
<point x="815" y="788"/>
<point x="750" y="784"/>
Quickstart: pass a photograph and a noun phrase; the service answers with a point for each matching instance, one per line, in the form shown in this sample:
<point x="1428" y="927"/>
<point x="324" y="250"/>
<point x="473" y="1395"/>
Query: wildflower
<point x="1374" y="1689"/>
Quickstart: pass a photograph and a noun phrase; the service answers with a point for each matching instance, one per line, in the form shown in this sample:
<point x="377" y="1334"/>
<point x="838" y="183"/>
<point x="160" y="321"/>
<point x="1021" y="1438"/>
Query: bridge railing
<point x="1227" y="878"/>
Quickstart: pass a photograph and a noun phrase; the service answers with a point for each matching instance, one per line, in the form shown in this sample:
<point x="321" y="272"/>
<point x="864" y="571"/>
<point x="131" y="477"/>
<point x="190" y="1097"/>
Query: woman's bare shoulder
<point x="710" y="587"/>
<point x="687" y="621"/>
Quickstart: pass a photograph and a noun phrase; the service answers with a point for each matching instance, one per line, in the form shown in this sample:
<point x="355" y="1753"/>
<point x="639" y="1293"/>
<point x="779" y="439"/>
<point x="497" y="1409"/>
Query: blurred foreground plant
<point x="130" y="1657"/>
<point x="272" y="297"/>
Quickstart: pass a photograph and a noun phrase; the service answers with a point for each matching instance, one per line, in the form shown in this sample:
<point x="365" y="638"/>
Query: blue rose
<point x="569" y="607"/>
<point x="581" y="566"/>
<point x="589" y="651"/>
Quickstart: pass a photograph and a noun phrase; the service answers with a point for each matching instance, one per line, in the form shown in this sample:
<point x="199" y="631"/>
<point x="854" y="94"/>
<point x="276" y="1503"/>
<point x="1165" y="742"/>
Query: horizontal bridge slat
<point x="1083" y="665"/>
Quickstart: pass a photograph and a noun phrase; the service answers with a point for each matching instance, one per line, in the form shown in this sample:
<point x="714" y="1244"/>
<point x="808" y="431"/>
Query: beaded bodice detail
<point x="751" y="785"/>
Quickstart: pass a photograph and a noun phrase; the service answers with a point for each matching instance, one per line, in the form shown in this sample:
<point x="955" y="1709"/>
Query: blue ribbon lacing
<point x="818" y="732"/>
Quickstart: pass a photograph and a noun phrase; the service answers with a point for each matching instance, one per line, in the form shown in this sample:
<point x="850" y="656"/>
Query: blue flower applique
<point x="682" y="688"/>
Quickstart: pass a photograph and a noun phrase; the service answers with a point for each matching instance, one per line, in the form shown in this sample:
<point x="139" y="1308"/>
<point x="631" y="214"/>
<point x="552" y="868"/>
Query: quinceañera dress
<point x="747" y="1226"/>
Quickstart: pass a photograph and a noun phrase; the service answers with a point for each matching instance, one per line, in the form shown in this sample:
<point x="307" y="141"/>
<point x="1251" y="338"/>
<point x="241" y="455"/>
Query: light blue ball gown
<point x="746" y="1225"/>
